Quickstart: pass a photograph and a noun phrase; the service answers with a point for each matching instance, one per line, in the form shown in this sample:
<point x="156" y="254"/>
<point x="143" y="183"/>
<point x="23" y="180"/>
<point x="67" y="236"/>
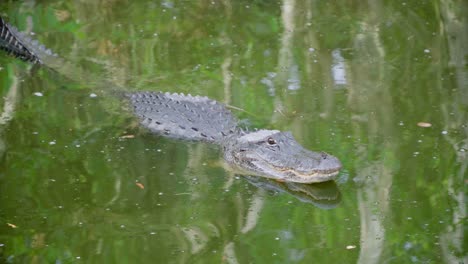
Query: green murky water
<point x="80" y="182"/>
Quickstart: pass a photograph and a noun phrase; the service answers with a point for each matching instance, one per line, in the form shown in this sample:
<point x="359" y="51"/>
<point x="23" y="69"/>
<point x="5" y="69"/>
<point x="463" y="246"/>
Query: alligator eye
<point x="271" y="141"/>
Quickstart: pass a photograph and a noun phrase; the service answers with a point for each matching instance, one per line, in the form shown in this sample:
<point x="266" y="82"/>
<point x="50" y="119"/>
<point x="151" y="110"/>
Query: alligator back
<point x="183" y="116"/>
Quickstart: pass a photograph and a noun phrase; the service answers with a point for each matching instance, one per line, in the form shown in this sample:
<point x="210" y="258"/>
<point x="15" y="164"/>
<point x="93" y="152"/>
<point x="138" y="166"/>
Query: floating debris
<point x="127" y="136"/>
<point x="351" y="247"/>
<point x="38" y="94"/>
<point x="424" y="124"/>
<point x="12" y="225"/>
<point x="93" y="95"/>
<point x="140" y="185"/>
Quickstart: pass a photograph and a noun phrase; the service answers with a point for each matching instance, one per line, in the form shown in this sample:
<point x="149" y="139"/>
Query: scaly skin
<point x="267" y="153"/>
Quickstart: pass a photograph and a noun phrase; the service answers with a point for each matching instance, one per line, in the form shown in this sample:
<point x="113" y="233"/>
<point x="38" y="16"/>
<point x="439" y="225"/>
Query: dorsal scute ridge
<point x="21" y="45"/>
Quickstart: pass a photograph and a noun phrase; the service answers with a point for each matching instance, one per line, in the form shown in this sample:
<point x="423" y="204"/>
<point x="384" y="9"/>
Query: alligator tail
<point x="12" y="42"/>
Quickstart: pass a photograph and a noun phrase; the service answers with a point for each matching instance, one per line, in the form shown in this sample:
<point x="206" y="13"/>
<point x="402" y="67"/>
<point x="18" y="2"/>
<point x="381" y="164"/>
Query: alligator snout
<point x="328" y="163"/>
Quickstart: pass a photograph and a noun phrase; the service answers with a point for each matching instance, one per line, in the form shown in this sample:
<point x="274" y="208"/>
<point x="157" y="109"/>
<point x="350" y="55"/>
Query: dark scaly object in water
<point x="267" y="153"/>
<point x="11" y="41"/>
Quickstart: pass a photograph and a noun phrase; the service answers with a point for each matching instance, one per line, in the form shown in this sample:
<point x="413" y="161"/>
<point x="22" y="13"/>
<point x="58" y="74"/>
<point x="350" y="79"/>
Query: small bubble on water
<point x="444" y="132"/>
<point x="38" y="94"/>
<point x="93" y="95"/>
<point x="427" y="51"/>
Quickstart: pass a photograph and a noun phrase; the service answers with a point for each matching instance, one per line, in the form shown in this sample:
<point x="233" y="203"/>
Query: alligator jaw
<point x="312" y="176"/>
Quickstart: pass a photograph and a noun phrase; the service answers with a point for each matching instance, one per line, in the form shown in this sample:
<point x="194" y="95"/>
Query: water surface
<point x="383" y="85"/>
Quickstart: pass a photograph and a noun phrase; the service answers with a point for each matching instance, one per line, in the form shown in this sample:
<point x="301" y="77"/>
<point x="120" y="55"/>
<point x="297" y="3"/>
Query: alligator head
<point x="277" y="155"/>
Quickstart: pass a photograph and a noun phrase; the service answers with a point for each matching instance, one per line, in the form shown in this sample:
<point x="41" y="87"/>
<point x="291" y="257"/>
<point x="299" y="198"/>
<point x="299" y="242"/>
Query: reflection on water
<point x="79" y="181"/>
<point x="338" y="68"/>
<point x="323" y="195"/>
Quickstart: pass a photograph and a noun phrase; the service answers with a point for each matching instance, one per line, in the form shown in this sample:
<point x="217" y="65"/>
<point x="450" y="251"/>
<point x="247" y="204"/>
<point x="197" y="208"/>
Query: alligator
<point x="268" y="153"/>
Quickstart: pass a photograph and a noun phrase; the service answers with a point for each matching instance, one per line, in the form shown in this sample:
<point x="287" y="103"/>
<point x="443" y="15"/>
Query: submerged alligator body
<point x="268" y="153"/>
